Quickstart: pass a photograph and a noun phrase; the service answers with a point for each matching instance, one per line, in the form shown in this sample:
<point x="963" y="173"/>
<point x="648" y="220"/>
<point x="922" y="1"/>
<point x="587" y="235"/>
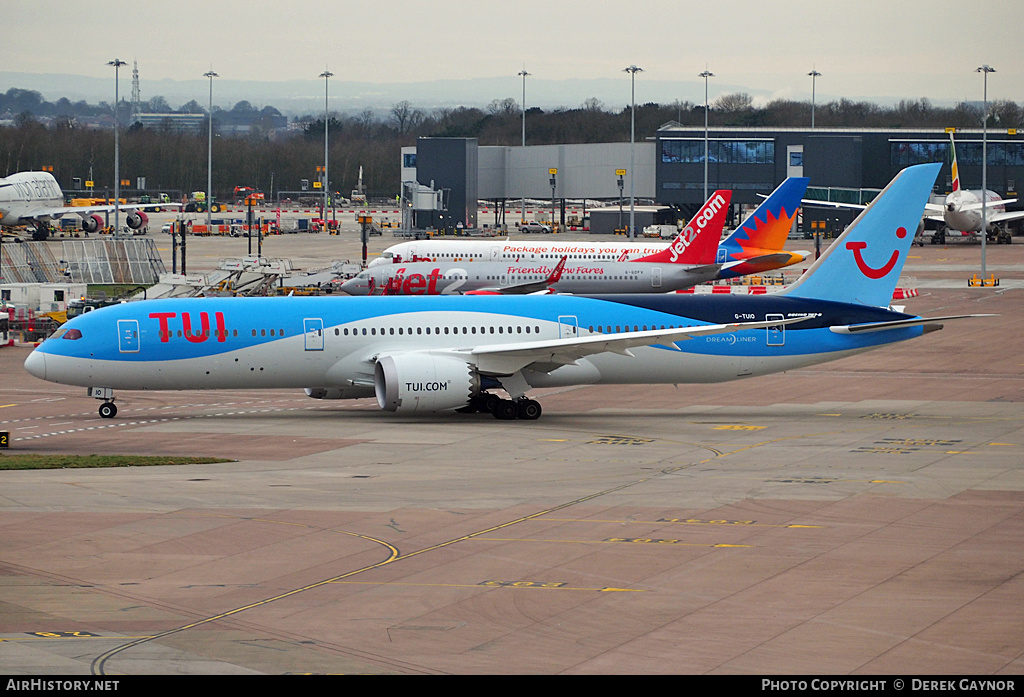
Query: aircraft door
<point x="313" y="328"/>
<point x="568" y="327"/>
<point x="495" y="252"/>
<point x="656" y="277"/>
<point x="776" y="335"/>
<point x="794" y="160"/>
<point x="128" y="335"/>
<point x="722" y="255"/>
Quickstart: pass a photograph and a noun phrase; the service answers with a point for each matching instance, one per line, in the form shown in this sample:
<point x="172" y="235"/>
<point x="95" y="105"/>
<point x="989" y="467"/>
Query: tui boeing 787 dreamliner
<point x="433" y="353"/>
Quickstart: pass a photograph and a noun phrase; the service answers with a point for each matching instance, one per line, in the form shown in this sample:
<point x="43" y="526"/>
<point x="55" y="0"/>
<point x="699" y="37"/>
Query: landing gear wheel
<point x="489" y="402"/>
<point x="528" y="410"/>
<point x="108" y="410"/>
<point x="506" y="410"/>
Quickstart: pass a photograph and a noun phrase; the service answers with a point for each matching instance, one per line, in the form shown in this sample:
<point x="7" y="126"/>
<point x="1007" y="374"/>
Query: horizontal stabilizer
<point x="704" y="269"/>
<point x="762" y="263"/>
<point x="894" y="324"/>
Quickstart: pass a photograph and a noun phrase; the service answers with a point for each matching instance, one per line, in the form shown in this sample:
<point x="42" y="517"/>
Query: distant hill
<point x="299" y="97"/>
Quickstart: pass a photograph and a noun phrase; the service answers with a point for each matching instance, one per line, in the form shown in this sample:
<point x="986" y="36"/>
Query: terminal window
<point x="904" y="153"/>
<point x="907" y="153"/>
<point x="722" y="151"/>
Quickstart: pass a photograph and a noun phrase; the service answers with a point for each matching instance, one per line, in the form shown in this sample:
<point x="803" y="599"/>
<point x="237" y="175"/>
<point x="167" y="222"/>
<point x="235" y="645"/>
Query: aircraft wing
<point x="817" y="203"/>
<point x="935" y="208"/>
<point x="1004" y="215"/>
<point x="895" y="324"/>
<point x="57" y="211"/>
<point x="520" y="289"/>
<point x="989" y="204"/>
<point x="531" y="287"/>
<point x="507" y="359"/>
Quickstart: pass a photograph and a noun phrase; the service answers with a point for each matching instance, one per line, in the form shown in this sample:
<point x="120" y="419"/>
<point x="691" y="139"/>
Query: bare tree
<point x="503" y="107"/>
<point x="401" y="114"/>
<point x="734" y="103"/>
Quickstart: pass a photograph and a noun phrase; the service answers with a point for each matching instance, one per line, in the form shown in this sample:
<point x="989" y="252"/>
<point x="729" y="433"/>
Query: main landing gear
<point x="504" y="409"/>
<point x="107" y="409"/>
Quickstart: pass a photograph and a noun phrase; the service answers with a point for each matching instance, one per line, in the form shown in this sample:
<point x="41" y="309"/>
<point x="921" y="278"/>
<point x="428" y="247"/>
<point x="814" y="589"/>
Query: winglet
<point x="697" y="242"/>
<point x="864" y="263"/>
<point x="556" y="273"/>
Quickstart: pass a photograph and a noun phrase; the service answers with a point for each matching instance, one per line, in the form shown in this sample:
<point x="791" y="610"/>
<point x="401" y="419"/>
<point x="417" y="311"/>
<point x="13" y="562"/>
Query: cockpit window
<point x="72" y="334"/>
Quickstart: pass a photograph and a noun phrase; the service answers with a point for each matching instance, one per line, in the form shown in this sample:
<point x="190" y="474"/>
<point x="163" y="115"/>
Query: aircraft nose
<point x="354" y="286"/>
<point x="35" y="364"/>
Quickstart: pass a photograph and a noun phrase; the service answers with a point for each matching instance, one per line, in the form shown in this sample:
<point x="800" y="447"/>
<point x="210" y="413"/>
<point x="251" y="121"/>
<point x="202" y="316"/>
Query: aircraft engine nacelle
<point x="136" y="220"/>
<point x="339" y="392"/>
<point x="422" y="382"/>
<point x="92" y="223"/>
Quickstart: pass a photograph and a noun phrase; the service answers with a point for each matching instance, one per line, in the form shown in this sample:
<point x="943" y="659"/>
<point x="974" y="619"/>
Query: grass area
<point x="43" y="462"/>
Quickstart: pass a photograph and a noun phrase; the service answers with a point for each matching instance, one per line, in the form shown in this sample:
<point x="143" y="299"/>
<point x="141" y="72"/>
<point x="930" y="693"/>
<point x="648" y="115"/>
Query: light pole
<point x="706" y="74"/>
<point x="326" y="75"/>
<point x="117" y="63"/>
<point x="814" y="75"/>
<point x="524" y="74"/>
<point x="984" y="163"/>
<point x="632" y="70"/>
<point x="209" y="151"/>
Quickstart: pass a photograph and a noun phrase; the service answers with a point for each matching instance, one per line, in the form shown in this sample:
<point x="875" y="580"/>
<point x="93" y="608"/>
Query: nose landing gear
<point x="107" y="409"/>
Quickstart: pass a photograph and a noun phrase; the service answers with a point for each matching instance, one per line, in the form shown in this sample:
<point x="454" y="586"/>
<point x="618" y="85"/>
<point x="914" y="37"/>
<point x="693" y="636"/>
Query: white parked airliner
<point x="754" y="247"/>
<point x="35" y="198"/>
<point x="960" y="213"/>
<point x="689" y="260"/>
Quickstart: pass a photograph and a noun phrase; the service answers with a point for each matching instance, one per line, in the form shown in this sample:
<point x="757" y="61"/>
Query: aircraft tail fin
<point x="767" y="228"/>
<point x="955" y="170"/>
<point x="863" y="264"/>
<point x="697" y="242"/>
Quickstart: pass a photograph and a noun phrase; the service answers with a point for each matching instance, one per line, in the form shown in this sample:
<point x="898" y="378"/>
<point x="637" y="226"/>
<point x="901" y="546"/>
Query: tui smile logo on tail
<point x="869" y="271"/>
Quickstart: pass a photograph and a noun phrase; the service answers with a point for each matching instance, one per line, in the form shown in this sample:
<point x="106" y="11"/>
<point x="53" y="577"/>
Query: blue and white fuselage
<point x="335" y="342"/>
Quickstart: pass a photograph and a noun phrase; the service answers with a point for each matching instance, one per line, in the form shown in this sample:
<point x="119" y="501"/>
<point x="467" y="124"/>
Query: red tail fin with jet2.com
<point x="697" y="243"/>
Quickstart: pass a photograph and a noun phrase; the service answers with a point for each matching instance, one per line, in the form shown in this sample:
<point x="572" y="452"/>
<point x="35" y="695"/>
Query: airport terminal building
<point x="845" y="164"/>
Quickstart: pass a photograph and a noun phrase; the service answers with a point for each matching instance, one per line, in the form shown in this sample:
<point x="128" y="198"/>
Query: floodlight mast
<point x="632" y="70"/>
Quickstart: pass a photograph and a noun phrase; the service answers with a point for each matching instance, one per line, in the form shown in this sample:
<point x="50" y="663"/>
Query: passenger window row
<point x="419" y="331"/>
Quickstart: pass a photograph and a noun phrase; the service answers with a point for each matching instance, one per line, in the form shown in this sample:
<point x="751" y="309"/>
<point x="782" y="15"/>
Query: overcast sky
<point x="871" y="49"/>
